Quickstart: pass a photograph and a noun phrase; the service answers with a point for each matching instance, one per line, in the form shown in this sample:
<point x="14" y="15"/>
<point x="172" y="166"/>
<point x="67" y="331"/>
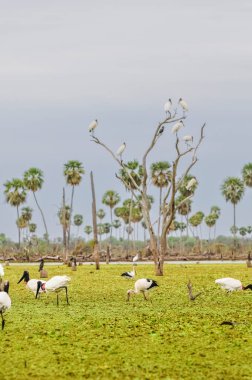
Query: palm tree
<point x="73" y="171"/>
<point x="64" y="217"/>
<point x="233" y="190"/>
<point x="210" y="221"/>
<point x="78" y="220"/>
<point x="215" y="211"/>
<point x="101" y="214"/>
<point x="247" y="174"/>
<point x="184" y="208"/>
<point x="117" y="224"/>
<point x="32" y="227"/>
<point x="88" y="230"/>
<point x="161" y="177"/>
<point x="33" y="180"/>
<point x="15" y="194"/>
<point x="111" y="198"/>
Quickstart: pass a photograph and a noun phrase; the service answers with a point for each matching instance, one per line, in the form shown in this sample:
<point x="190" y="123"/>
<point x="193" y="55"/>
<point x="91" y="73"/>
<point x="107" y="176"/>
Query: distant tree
<point x="111" y="198"/>
<point x="32" y="227"/>
<point x="88" y="230"/>
<point x="73" y="171"/>
<point x="233" y="190"/>
<point x="78" y="221"/>
<point x="247" y="174"/>
<point x="210" y="221"/>
<point x="243" y="231"/>
<point x="15" y="194"/>
<point x="33" y="180"/>
<point x="117" y="224"/>
<point x="101" y="214"/>
<point x="215" y="212"/>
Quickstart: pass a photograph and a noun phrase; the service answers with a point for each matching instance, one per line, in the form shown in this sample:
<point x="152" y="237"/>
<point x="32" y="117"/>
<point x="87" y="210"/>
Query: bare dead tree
<point x="168" y="208"/>
<point x="95" y="233"/>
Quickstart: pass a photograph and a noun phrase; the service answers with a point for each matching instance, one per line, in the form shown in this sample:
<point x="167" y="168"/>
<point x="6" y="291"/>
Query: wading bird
<point x="142" y="285"/>
<point x="120" y="150"/>
<point x="92" y="126"/>
<point x="135" y="258"/>
<point x="5" y="301"/>
<point x="129" y="274"/>
<point x="177" y="126"/>
<point x="191" y="183"/>
<point x="184" y="105"/>
<point x="30" y="284"/>
<point x="188" y="139"/>
<point x="231" y="284"/>
<point x="1" y="271"/>
<point x="56" y="284"/>
<point x="168" y="106"/>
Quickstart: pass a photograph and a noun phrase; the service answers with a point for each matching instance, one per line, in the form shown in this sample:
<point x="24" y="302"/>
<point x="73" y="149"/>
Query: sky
<point x="65" y="63"/>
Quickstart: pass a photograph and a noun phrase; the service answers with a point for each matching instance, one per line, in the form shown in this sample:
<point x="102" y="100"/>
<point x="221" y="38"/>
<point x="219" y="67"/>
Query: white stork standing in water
<point x="5" y="301"/>
<point x="92" y="126"/>
<point x="55" y="284"/>
<point x="142" y="285"/>
<point x="30" y="284"/>
<point x="129" y="274"/>
<point x="231" y="284"/>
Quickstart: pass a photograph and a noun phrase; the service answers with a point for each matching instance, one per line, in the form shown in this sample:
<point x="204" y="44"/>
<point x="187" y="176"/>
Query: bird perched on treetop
<point x="183" y="104"/>
<point x="191" y="183"/>
<point x="167" y="106"/>
<point x="121" y="149"/>
<point x="92" y="126"/>
<point x="177" y="126"/>
<point x="188" y="139"/>
<point x="142" y="285"/>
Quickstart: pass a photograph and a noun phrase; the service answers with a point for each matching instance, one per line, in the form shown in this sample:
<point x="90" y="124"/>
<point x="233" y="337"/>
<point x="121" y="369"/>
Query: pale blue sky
<point x="64" y="63"/>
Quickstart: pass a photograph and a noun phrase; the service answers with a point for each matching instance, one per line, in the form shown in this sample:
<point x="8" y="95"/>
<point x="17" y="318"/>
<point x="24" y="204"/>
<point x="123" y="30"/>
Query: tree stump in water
<point x="43" y="274"/>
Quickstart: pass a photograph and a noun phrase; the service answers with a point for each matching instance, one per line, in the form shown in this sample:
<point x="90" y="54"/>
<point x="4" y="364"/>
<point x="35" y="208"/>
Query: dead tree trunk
<point x="95" y="234"/>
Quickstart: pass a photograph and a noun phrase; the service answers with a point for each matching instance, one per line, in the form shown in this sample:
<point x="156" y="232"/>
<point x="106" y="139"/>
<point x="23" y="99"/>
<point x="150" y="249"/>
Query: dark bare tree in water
<point x="183" y="158"/>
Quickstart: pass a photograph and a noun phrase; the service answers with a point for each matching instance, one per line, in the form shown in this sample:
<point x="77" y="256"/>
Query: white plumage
<point x="229" y="284"/>
<point x="142" y="286"/>
<point x="183" y="104"/>
<point x="167" y="106"/>
<point x="177" y="126"/>
<point x="121" y="149"/>
<point x="93" y="125"/>
<point x="191" y="183"/>
<point x="5" y="302"/>
<point x="55" y="284"/>
<point x="188" y="138"/>
<point x="31" y="284"/>
<point x="129" y="274"/>
<point x="1" y="271"/>
<point x="135" y="258"/>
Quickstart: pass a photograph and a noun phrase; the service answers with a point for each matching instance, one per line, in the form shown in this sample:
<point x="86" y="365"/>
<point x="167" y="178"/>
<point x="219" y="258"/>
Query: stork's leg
<point x="57" y="299"/>
<point x="3" y="321"/>
<point x="146" y="299"/>
<point x="66" y="295"/>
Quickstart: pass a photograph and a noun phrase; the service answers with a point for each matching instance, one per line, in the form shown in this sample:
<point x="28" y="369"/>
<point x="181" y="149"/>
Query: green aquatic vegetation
<point x="101" y="336"/>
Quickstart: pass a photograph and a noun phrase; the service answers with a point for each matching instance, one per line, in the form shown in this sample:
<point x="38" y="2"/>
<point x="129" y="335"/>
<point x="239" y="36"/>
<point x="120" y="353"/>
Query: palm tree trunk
<point x="159" y="217"/>
<point x="234" y="227"/>
<point x="111" y="221"/>
<point x="70" y="218"/>
<point x="43" y="217"/>
<point x="18" y="229"/>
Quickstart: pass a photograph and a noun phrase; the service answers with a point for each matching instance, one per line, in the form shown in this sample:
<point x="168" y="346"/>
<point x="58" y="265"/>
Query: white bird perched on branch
<point x="55" y="284"/>
<point x="168" y="106"/>
<point x="129" y="274"/>
<point x="177" y="126"/>
<point x="191" y="184"/>
<point x="30" y="284"/>
<point x="184" y="105"/>
<point x="188" y="139"/>
<point x="121" y="149"/>
<point x="92" y="126"/>
<point x="142" y="285"/>
<point x="5" y="301"/>
<point x="231" y="284"/>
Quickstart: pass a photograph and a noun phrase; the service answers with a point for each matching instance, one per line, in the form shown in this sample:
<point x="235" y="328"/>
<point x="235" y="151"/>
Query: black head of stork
<point x="25" y="277"/>
<point x="6" y="287"/>
<point x="247" y="287"/>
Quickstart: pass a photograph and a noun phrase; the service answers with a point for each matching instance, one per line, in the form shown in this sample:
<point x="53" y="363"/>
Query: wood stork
<point x="41" y="265"/>
<point x="177" y="126"/>
<point x="136" y="258"/>
<point x="231" y="284"/>
<point x="142" y="285"/>
<point x="5" y="301"/>
<point x="129" y="274"/>
<point x="183" y="105"/>
<point x="55" y="284"/>
<point x="168" y="106"/>
<point x="92" y="126"/>
<point x="188" y="139"/>
<point x="30" y="284"/>
<point x="191" y="184"/>
<point x="120" y="150"/>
